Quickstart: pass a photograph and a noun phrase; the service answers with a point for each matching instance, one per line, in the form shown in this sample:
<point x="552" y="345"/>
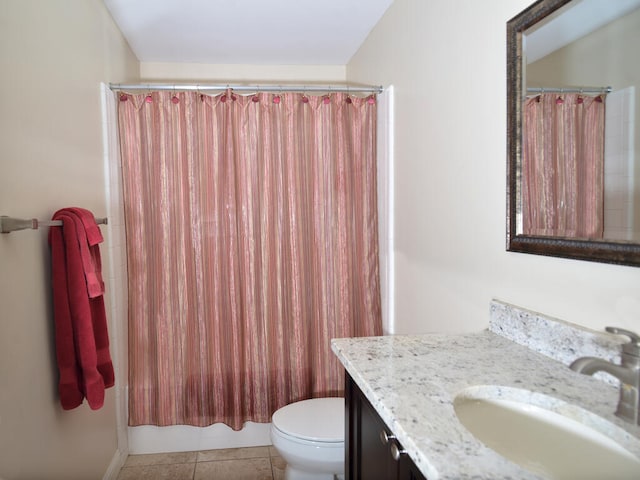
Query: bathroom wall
<point x="619" y="156"/>
<point x="54" y="54"/>
<point x="251" y="74"/>
<point x="446" y="61"/>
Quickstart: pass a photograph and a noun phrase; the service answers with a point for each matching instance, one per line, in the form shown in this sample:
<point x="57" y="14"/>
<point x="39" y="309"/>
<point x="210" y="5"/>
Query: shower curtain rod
<point x="246" y="88"/>
<point x="569" y="90"/>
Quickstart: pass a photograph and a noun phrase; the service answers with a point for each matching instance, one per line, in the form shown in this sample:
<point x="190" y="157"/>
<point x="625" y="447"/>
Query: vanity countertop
<point x="411" y="380"/>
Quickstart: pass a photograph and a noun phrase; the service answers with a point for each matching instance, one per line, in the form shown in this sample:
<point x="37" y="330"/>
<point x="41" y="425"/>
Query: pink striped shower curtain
<point x="251" y="242"/>
<point x="563" y="166"/>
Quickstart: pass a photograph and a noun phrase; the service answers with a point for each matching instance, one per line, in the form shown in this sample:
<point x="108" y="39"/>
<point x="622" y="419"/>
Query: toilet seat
<point x="316" y="420"/>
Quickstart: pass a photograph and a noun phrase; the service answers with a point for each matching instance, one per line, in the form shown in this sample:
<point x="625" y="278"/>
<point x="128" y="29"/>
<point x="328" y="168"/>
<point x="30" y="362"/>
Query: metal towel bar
<point x="10" y="224"/>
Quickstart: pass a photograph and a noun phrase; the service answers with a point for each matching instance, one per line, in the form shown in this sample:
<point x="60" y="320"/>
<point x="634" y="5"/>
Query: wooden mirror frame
<point x="623" y="253"/>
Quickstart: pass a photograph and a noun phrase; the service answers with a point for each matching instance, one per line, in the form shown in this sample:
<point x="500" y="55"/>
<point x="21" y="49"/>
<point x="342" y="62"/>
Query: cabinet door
<point x="408" y="470"/>
<point x="368" y="453"/>
<point x="367" y="457"/>
<point x="376" y="462"/>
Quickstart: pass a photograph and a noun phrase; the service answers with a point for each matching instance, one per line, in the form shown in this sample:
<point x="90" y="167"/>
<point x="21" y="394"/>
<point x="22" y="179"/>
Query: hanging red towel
<point x="89" y="250"/>
<point x="82" y="340"/>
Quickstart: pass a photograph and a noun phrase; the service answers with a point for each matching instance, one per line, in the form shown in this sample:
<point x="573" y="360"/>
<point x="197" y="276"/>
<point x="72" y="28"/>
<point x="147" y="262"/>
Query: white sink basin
<point x="546" y="435"/>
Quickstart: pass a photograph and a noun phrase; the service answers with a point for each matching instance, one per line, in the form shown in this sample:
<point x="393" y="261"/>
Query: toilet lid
<point x="318" y="419"/>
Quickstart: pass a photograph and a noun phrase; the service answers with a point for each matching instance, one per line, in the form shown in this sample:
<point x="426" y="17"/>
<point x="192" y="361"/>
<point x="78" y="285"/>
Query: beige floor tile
<point x="178" y="471"/>
<point x="233" y="454"/>
<point x="243" y="469"/>
<point x="273" y="452"/>
<point x="278" y="466"/>
<point x="161" y="459"/>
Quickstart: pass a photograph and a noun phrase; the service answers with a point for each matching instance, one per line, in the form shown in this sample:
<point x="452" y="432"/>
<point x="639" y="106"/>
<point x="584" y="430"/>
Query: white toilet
<point x="309" y="435"/>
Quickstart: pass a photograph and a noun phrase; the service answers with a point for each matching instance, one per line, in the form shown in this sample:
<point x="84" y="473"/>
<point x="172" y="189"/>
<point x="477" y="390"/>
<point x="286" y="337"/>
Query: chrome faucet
<point x="628" y="372"/>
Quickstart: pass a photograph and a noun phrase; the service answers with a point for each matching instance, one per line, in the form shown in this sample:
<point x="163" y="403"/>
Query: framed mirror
<point x="573" y="141"/>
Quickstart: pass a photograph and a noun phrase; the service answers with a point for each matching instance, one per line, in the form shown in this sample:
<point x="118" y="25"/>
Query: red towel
<point x="89" y="250"/>
<point x="82" y="340"/>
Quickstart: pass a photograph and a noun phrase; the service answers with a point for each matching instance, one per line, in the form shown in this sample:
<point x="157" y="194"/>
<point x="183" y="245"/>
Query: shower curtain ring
<point x="174" y="98"/>
<point x="277" y="95"/>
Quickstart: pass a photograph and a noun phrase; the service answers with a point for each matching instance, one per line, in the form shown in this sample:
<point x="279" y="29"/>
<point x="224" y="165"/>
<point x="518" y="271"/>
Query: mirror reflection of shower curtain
<point x="563" y="165"/>
<point x="251" y="242"/>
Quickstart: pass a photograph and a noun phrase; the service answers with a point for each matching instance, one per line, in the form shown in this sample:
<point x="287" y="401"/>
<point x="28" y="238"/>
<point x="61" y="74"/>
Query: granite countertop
<point x="411" y="380"/>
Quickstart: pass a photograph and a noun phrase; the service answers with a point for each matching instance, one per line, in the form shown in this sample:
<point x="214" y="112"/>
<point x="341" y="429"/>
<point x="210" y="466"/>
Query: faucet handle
<point x="632" y="347"/>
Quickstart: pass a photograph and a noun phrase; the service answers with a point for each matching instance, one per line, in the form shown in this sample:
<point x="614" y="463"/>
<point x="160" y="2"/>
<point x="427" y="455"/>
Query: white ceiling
<point x="261" y="32"/>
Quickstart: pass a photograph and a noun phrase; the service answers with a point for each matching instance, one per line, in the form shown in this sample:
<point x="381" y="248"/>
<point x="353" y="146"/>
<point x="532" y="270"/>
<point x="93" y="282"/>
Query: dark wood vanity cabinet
<point x="372" y="452"/>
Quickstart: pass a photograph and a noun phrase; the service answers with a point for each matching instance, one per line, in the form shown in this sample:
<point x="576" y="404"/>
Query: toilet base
<point x="292" y="473"/>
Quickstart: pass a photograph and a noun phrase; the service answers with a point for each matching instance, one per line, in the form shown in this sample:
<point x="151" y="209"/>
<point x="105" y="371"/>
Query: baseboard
<point x="119" y="457"/>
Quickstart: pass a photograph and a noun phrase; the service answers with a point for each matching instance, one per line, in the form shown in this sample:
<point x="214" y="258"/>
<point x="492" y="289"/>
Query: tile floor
<point x="255" y="463"/>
